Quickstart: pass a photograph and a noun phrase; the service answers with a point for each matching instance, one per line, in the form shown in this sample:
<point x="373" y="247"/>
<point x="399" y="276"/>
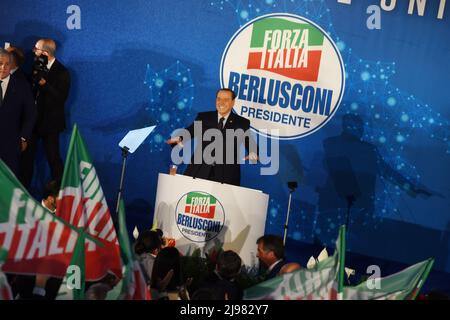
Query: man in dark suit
<point x="51" y="92"/>
<point x="17" y="114"/>
<point x="219" y="162"/>
<point x="271" y="255"/>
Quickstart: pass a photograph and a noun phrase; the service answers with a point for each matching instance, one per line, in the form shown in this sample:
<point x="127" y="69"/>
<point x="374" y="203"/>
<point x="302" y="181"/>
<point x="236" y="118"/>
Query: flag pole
<point x="423" y="278"/>
<point x="341" y="271"/>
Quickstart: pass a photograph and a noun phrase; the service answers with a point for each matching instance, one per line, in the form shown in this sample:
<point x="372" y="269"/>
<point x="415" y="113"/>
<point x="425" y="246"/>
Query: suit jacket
<point x="229" y="173"/>
<point x="223" y="286"/>
<point x="51" y="99"/>
<point x="276" y="269"/>
<point x="20" y="74"/>
<point x="17" y="118"/>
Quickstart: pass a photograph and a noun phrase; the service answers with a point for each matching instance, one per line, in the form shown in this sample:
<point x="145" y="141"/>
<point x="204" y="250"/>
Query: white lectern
<point x="205" y="214"/>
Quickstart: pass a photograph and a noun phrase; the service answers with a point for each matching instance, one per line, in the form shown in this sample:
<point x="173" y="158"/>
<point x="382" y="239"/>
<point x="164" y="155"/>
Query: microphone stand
<point x="125" y="153"/>
<point x="350" y="200"/>
<point x="292" y="185"/>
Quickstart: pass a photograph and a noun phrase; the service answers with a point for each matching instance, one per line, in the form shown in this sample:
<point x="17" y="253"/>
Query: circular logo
<point x="287" y="74"/>
<point x="199" y="216"/>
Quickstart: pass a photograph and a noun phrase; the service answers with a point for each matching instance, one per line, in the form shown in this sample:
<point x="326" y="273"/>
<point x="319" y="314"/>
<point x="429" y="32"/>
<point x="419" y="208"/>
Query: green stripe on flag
<point x="421" y="281"/>
<point x="79" y="260"/>
<point x="315" y="36"/>
<point x="402" y="285"/>
<point x="77" y="150"/>
<point x="341" y="246"/>
<point x="126" y="253"/>
<point x="74" y="284"/>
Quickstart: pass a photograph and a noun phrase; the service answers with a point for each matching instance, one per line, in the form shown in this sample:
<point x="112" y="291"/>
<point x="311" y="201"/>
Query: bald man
<point x="51" y="95"/>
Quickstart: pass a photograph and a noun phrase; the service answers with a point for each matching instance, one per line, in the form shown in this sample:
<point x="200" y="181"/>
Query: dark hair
<point x="233" y="94"/>
<point x="18" y="55"/>
<point x="51" y="189"/>
<point x="229" y="264"/>
<point x="147" y="242"/>
<point x="167" y="259"/>
<point x="273" y="243"/>
<point x="159" y="232"/>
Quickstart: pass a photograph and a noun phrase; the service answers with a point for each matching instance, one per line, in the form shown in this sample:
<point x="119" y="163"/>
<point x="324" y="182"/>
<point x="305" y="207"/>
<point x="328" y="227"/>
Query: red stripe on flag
<point x="79" y="214"/>
<point x="105" y="258"/>
<point x="94" y="212"/>
<point x="102" y="223"/>
<point x="333" y="294"/>
<point x="311" y="73"/>
<point x="64" y="207"/>
<point x="6" y="293"/>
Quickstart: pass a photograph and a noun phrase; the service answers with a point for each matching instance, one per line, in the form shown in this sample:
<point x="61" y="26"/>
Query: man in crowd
<point x="223" y="278"/>
<point x="51" y="191"/>
<point x="147" y="248"/>
<point x="271" y="255"/>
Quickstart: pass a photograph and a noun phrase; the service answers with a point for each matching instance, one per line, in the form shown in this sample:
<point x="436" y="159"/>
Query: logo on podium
<point x="199" y="216"/>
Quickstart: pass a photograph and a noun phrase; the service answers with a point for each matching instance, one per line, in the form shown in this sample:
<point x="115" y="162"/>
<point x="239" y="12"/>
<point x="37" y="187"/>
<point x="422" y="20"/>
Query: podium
<point x="206" y="215"/>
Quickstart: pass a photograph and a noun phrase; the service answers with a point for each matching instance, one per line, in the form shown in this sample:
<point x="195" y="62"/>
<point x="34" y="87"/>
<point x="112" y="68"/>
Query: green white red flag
<point x="82" y="204"/>
<point x="36" y="241"/>
<point x="5" y="289"/>
<point x="74" y="282"/>
<point x="404" y="285"/>
<point x="133" y="285"/>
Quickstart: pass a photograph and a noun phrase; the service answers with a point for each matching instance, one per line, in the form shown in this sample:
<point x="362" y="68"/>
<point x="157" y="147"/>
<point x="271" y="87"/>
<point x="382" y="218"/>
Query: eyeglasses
<point x="38" y="49"/>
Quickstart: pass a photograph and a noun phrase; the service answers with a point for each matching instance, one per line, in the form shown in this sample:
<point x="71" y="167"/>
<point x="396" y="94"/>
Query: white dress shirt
<point x="220" y="117"/>
<point x="273" y="265"/>
<point x="43" y="204"/>
<point x="5" y="82"/>
<point x="50" y="63"/>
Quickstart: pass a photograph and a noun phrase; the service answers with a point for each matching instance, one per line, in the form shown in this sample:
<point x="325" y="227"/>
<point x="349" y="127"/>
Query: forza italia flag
<point x="133" y="286"/>
<point x="73" y="284"/>
<point x="5" y="289"/>
<point x="82" y="204"/>
<point x="36" y="241"/>
<point x="403" y="285"/>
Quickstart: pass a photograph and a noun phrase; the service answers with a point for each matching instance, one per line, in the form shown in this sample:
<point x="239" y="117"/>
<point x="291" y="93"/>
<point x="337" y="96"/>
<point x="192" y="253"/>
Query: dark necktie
<point x="1" y="93"/>
<point x="221" y="123"/>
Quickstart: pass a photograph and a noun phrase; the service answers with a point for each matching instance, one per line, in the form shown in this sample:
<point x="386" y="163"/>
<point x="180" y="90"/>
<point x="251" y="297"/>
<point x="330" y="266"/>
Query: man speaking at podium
<point x="216" y="131"/>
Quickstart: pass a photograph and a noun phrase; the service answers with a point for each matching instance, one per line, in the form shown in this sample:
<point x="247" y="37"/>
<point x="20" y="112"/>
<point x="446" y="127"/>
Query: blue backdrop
<point x="138" y="63"/>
